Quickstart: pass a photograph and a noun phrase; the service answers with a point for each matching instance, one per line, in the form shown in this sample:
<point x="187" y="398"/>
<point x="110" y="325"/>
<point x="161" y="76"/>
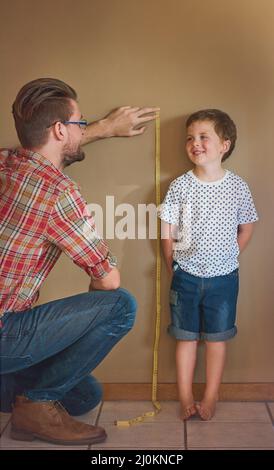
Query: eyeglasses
<point x="82" y="124"/>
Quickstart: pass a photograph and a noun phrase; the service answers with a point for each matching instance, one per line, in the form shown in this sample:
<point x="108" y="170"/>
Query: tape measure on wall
<point x="156" y="404"/>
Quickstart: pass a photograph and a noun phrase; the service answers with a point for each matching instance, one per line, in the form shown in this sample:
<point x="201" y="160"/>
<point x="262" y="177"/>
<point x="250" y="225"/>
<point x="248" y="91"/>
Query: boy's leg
<point x="215" y="361"/>
<point x="186" y="352"/>
<point x="185" y="295"/>
<point x="218" y="325"/>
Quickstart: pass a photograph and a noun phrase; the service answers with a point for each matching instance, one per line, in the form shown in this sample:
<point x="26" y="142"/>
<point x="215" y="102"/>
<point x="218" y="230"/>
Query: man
<point x="48" y="351"/>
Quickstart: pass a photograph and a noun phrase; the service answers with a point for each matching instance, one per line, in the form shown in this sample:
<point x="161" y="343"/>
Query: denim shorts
<point x="203" y="307"/>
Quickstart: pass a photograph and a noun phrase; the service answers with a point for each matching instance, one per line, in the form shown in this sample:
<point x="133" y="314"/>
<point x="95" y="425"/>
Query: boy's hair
<point x="223" y="125"/>
<point x="38" y="105"/>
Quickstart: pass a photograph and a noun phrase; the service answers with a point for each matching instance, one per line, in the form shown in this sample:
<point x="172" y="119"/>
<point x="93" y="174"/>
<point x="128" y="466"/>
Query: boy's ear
<point x="227" y="144"/>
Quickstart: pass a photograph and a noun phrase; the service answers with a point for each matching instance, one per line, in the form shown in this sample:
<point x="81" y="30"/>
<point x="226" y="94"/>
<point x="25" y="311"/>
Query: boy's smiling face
<point x="203" y="145"/>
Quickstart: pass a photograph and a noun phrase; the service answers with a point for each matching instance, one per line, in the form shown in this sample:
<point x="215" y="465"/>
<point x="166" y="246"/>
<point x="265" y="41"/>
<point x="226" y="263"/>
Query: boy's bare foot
<point x="206" y="409"/>
<point x="188" y="411"/>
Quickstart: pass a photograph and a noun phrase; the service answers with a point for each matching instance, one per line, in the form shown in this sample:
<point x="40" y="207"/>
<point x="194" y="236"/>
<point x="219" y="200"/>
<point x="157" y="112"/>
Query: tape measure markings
<point x="156" y="404"/>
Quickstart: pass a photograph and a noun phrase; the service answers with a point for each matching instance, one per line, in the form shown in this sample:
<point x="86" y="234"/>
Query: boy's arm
<point x="245" y="232"/>
<point x="122" y="122"/>
<point x="167" y="244"/>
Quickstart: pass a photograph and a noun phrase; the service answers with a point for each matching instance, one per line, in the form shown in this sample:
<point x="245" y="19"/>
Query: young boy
<point x="210" y="213"/>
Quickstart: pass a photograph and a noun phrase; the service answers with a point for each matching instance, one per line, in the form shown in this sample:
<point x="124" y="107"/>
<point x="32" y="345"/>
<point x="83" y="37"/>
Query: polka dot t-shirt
<point x="207" y="216"/>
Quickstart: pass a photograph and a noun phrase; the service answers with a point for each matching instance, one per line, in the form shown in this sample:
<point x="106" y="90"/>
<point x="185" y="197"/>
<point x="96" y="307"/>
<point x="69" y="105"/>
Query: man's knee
<point x="128" y="306"/>
<point x="128" y="300"/>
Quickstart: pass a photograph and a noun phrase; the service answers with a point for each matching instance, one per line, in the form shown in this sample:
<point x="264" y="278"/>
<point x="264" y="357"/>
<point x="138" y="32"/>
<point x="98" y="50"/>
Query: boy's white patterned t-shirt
<point x="207" y="216"/>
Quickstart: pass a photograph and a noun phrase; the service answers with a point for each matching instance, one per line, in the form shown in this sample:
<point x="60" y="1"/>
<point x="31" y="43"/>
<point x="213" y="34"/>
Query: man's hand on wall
<point x="126" y="121"/>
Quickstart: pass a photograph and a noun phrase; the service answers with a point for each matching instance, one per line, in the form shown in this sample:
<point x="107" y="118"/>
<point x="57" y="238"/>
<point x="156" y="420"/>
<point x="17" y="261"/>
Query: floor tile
<point x="225" y="411"/>
<point x="230" y="435"/>
<point x="136" y="448"/>
<point x="4" y="419"/>
<point x="236" y="425"/>
<point x="241" y="412"/>
<point x="170" y="412"/>
<point x="271" y="407"/>
<point x="45" y="448"/>
<point x="124" y="410"/>
<point x="90" y="417"/>
<point x="143" y="435"/>
<point x="230" y="448"/>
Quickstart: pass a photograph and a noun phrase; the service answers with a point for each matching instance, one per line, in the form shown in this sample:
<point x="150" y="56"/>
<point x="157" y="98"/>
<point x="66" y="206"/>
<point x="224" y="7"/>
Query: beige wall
<point x="181" y="55"/>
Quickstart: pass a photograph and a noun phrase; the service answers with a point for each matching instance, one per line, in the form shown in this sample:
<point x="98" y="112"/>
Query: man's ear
<point x="60" y="131"/>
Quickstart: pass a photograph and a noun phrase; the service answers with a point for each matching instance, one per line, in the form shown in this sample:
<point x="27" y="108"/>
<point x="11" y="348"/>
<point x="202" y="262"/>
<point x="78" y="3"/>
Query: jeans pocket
<point x="13" y="326"/>
<point x="175" y="266"/>
<point x="173" y="297"/>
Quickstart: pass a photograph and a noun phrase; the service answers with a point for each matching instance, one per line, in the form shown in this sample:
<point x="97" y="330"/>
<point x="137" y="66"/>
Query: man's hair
<point x="223" y="125"/>
<point x="38" y="105"/>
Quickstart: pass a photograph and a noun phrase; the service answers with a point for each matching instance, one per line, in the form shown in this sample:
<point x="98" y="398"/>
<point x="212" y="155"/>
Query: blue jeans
<point x="49" y="351"/>
<point x="203" y="307"/>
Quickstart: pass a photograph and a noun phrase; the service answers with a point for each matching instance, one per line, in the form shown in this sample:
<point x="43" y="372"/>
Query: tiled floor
<point x="236" y="425"/>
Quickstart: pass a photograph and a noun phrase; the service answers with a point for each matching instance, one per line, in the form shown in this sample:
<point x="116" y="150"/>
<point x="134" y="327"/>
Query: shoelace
<point x="58" y="405"/>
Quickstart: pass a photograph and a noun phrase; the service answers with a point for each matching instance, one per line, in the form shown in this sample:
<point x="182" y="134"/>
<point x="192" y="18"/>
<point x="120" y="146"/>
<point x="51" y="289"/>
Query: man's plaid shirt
<point x="42" y="213"/>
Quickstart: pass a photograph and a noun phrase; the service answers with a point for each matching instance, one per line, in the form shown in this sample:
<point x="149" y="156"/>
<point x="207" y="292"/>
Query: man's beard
<point x="70" y="156"/>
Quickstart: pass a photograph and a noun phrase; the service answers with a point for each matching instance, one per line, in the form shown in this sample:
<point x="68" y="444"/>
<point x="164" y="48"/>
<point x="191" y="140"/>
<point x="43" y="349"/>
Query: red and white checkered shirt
<point x="42" y="213"/>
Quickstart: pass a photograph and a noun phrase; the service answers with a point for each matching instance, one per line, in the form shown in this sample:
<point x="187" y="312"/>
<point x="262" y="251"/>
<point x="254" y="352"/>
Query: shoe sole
<point x="19" y="435"/>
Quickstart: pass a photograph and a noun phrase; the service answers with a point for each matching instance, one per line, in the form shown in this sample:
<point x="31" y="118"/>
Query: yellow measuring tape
<point x="156" y="404"/>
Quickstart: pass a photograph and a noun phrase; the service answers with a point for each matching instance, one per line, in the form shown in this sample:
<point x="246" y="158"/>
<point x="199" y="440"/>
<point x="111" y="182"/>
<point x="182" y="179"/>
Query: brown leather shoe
<point x="49" y="421"/>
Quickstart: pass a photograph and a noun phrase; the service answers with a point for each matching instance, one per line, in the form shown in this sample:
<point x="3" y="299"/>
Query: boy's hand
<point x="245" y="232"/>
<point x="169" y="269"/>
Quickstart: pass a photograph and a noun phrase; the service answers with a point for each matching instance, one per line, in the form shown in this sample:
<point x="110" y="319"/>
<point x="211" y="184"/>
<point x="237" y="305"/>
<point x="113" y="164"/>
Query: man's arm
<point x="109" y="282"/>
<point x="122" y="122"/>
<point x="71" y="228"/>
<point x="245" y="232"/>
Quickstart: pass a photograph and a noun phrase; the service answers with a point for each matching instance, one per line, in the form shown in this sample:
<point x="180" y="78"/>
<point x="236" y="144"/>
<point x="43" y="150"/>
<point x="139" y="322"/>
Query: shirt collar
<point x="25" y="153"/>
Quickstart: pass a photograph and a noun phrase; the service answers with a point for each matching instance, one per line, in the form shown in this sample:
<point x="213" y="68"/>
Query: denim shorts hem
<point x="178" y="333"/>
<point x="185" y="335"/>
<point x="222" y="336"/>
